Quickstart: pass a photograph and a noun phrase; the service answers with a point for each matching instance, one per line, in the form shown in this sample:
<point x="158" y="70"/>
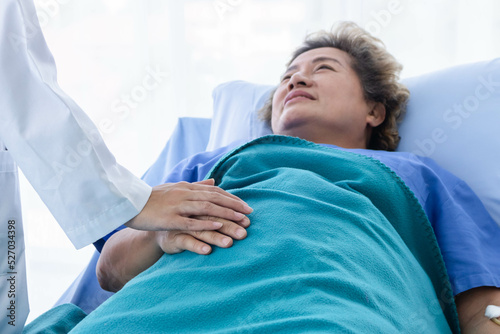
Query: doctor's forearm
<point x="53" y="141"/>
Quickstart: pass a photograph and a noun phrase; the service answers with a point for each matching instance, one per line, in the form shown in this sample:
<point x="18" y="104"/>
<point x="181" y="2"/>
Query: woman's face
<point x="320" y="99"/>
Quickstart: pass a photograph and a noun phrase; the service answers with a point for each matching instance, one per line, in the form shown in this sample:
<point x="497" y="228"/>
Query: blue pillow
<point x="452" y="117"/>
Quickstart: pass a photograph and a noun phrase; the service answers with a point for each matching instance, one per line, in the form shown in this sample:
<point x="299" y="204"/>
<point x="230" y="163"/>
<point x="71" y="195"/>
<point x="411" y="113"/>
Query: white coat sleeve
<point x="56" y="145"/>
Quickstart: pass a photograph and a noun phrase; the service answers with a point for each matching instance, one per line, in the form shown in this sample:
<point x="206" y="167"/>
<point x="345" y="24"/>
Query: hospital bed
<point x="452" y="117"/>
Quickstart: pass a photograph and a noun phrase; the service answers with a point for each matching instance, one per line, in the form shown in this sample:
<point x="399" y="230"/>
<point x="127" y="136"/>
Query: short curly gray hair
<point x="377" y="70"/>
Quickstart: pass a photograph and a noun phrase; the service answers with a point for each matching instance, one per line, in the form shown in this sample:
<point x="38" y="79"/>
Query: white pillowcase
<point x="453" y="116"/>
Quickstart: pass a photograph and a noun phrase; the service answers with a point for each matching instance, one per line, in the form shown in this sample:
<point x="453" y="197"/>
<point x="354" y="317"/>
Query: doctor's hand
<point x="188" y="207"/>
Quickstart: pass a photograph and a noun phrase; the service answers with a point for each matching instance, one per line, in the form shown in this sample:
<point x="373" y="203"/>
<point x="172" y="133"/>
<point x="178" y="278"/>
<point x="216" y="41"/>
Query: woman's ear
<point x="376" y="115"/>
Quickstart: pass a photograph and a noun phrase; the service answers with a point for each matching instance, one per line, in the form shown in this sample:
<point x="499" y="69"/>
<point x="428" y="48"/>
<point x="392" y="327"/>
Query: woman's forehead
<point x="324" y="53"/>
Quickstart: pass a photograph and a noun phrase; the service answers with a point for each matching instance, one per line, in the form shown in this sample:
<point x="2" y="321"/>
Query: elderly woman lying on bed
<point x="345" y="236"/>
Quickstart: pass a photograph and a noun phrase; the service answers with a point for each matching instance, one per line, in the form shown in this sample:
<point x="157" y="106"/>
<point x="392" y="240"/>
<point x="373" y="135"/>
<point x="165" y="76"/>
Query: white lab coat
<point x="13" y="292"/>
<point x="59" y="150"/>
<point x="56" y="145"/>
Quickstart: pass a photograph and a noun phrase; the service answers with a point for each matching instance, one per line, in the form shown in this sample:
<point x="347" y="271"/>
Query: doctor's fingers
<point x="206" y="223"/>
<point x="204" y="207"/>
<point x="209" y="184"/>
<point x="218" y="196"/>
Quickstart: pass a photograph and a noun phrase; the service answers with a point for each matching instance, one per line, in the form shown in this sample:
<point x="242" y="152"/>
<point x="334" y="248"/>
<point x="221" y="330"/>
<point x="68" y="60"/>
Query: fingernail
<point x="247" y="208"/>
<point x="240" y="232"/>
<point x="226" y="241"/>
<point x="245" y="222"/>
<point x="217" y="224"/>
<point x="205" y="249"/>
<point x="239" y="216"/>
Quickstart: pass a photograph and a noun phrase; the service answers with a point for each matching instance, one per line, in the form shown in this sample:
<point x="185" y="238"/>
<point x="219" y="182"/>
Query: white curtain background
<point x="105" y="49"/>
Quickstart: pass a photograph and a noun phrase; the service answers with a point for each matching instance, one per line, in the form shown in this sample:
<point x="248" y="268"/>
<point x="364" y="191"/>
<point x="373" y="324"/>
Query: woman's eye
<point x="326" y="67"/>
<point x="286" y="77"/>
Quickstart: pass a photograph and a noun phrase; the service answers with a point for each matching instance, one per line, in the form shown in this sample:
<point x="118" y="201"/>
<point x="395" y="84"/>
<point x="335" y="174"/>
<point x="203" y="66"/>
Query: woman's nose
<point x="298" y="79"/>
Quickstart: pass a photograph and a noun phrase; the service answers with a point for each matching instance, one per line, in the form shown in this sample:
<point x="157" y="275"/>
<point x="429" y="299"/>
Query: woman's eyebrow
<point x="316" y="60"/>
<point x="323" y="58"/>
<point x="291" y="68"/>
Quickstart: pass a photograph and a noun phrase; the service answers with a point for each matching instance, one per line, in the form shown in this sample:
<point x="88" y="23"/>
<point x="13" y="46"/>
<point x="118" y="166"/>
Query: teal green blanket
<point x="338" y="244"/>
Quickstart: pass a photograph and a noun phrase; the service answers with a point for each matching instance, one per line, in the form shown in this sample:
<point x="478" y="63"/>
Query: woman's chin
<point x="294" y="131"/>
